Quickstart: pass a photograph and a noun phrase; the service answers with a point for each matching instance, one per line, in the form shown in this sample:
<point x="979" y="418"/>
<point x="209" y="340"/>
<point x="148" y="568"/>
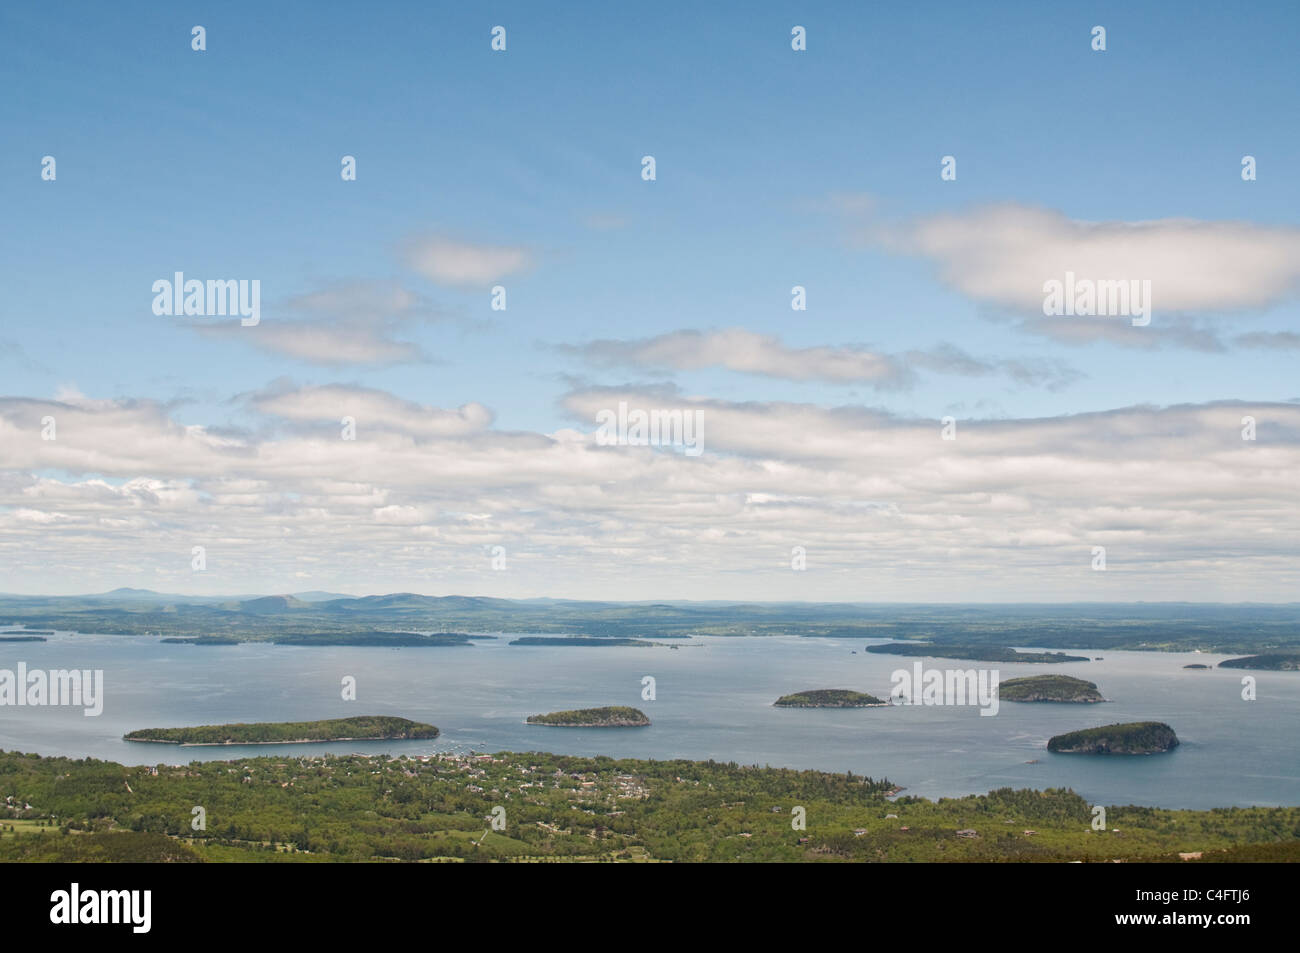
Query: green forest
<point x="559" y="808"/>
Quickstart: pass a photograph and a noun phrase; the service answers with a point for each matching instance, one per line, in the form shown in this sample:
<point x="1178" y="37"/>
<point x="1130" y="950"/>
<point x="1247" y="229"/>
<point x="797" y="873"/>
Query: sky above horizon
<point x="479" y="465"/>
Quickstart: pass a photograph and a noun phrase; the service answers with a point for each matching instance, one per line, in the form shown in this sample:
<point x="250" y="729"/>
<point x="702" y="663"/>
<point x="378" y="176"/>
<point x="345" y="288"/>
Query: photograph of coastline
<point x="585" y="433"/>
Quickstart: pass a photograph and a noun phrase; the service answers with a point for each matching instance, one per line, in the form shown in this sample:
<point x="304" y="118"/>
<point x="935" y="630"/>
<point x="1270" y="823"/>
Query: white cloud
<point x="371" y="409"/>
<point x="740" y="350"/>
<point x="1003" y="254"/>
<point x="885" y="508"/>
<point x="744" y="351"/>
<point x="349" y="323"/>
<point x="448" y="261"/>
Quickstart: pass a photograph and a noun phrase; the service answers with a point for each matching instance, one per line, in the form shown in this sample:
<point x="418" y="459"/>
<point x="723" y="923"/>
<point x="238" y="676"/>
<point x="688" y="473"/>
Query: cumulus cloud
<point x="885" y="508"/>
<point x="744" y="351"/>
<point x="1002" y="255"/>
<point x="369" y="408"/>
<point x="448" y="261"/>
<point x="350" y="323"/>
<point x="740" y="350"/>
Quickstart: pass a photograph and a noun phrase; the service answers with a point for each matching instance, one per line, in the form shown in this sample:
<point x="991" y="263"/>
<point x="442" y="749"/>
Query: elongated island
<point x="975" y="653"/>
<point x="1275" y="662"/>
<point x="829" y="698"/>
<point x="614" y="716"/>
<point x="360" y="728"/>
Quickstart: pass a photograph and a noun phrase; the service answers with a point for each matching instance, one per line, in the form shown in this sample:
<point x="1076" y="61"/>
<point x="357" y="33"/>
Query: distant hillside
<point x="272" y="604"/>
<point x="980" y="632"/>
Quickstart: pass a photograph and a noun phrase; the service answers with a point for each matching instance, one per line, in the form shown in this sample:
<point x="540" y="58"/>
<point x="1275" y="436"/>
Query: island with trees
<point x="580" y="640"/>
<point x="379" y="639"/>
<point x="976" y="653"/>
<point x="1049" y="688"/>
<point x="1137" y="737"/>
<point x="829" y="698"/>
<point x="200" y="640"/>
<point x="1198" y="665"/>
<point x="359" y="728"/>
<point x="1277" y="662"/>
<point x="613" y="716"/>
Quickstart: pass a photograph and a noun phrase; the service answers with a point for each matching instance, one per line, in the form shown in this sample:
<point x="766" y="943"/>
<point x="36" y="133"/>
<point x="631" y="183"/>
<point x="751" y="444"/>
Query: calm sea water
<point x="714" y="700"/>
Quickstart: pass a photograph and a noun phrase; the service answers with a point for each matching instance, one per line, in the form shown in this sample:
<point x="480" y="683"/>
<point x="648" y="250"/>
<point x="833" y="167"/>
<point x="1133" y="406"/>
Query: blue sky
<point x="775" y="168"/>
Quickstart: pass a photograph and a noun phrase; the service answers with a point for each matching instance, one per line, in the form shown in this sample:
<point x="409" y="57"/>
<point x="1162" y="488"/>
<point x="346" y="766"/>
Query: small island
<point x="977" y="653"/>
<point x="1137" y="737"/>
<point x="1277" y="662"/>
<point x="1049" y="688"/>
<point x="829" y="698"/>
<point x="615" y="716"/>
<point x="360" y="728"/>
<point x="1197" y="665"/>
<point x="23" y="638"/>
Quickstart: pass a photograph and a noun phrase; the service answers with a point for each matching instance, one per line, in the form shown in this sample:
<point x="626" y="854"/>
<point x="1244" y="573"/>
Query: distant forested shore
<point x="391" y="620"/>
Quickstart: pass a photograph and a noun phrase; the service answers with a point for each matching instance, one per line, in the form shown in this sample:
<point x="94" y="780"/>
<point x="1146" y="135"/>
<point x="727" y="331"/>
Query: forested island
<point x="201" y="640"/>
<point x="1197" y="665"/>
<point x="350" y="808"/>
<point x="1278" y="662"/>
<point x="380" y="639"/>
<point x="1137" y="737"/>
<point x="371" y="639"/>
<point x="615" y="716"/>
<point x="1049" y="688"/>
<point x="23" y="638"/>
<point x="977" y="653"/>
<point x="359" y="728"/>
<point x="829" y="698"/>
<point x="579" y="640"/>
